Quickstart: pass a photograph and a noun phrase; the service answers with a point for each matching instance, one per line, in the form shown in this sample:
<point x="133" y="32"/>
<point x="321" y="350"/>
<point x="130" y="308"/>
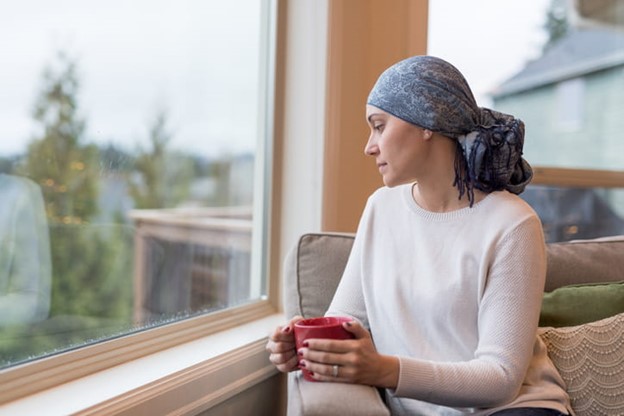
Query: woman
<point x="448" y="265"/>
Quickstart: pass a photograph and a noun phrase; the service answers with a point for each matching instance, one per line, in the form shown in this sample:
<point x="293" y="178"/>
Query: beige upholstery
<point x="585" y="261"/>
<point x="313" y="269"/>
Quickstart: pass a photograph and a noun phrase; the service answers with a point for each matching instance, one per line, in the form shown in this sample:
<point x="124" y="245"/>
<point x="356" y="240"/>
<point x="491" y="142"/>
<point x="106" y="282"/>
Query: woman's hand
<point x="281" y="347"/>
<point x="350" y="361"/>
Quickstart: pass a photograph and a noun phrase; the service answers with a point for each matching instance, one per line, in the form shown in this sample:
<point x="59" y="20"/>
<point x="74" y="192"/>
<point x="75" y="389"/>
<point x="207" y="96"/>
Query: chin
<point x="392" y="182"/>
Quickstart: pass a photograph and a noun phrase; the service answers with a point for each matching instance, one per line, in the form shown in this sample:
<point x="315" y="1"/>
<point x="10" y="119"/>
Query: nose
<point x="371" y="148"/>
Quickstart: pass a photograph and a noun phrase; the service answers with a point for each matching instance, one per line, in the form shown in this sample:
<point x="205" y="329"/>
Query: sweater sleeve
<point x="349" y="297"/>
<point x="507" y="324"/>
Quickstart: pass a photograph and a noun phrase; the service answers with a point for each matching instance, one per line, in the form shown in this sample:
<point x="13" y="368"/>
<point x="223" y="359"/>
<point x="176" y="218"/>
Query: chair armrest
<point x="308" y="398"/>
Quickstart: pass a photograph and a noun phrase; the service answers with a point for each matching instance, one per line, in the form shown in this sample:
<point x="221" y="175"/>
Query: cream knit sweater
<point x="456" y="296"/>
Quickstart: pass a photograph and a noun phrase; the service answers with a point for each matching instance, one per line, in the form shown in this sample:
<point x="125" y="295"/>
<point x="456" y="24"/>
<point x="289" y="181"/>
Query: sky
<point x="185" y="57"/>
<point x="487" y="40"/>
<point x="136" y="58"/>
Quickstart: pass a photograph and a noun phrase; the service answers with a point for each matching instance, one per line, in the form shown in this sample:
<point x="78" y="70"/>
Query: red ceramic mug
<point x="328" y="327"/>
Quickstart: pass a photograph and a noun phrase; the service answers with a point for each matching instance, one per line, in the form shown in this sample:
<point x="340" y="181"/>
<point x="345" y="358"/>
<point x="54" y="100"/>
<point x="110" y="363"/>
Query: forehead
<point x="372" y="110"/>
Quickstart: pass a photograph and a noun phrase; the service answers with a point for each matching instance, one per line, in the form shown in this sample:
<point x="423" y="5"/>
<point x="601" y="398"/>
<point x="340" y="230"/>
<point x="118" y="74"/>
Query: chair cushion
<point x="313" y="270"/>
<point x="590" y="359"/>
<point x="585" y="261"/>
<point x="311" y="398"/>
<point x="580" y="304"/>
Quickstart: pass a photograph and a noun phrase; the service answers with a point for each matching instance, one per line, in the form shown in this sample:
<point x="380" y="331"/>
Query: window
<point x="132" y="168"/>
<point x="570" y="100"/>
<point x="559" y="70"/>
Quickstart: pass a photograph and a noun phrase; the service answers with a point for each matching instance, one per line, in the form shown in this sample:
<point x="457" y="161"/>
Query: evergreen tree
<point x="556" y="24"/>
<point x="67" y="169"/>
<point x="162" y="178"/>
<point x="59" y="161"/>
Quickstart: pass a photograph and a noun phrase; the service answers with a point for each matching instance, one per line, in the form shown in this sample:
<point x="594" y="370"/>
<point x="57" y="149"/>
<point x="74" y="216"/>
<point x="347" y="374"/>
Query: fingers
<point x="322" y="357"/>
<point x="282" y="355"/>
<point x="285" y="362"/>
<point x="325" y="372"/>
<point x="281" y="346"/>
<point x="285" y="333"/>
<point x="356" y="329"/>
<point x="328" y="345"/>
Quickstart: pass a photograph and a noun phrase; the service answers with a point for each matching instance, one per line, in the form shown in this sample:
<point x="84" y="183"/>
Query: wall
<point x="264" y="399"/>
<point x="365" y="37"/>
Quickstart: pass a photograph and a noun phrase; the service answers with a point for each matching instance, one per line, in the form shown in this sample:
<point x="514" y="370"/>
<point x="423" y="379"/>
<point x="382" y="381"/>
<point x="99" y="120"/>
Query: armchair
<point x="313" y="269"/>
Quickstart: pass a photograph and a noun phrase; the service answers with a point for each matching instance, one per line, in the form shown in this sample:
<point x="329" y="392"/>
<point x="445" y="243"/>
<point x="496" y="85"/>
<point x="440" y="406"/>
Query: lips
<point x="381" y="166"/>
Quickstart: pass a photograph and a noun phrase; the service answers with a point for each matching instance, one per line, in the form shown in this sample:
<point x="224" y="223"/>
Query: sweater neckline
<point x="440" y="216"/>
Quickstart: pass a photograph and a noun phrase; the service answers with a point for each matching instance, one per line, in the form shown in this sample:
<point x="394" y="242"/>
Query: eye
<point x="378" y="127"/>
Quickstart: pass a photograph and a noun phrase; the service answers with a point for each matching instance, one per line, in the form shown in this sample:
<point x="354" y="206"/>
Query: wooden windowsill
<point x="187" y="378"/>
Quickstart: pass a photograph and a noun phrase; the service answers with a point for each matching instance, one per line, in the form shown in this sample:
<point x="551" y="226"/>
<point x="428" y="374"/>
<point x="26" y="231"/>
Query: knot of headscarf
<point x="493" y="153"/>
<point x="431" y="93"/>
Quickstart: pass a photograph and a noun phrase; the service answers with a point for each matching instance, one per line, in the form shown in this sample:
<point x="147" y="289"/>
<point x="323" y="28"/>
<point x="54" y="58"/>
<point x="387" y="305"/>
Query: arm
<point x="349" y="298"/>
<point x="507" y="325"/>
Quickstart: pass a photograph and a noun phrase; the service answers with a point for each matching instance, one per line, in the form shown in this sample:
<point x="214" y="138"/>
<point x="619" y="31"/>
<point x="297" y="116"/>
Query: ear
<point x="427" y="134"/>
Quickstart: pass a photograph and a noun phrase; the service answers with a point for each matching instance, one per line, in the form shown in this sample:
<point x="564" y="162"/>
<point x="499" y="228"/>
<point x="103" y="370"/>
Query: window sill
<point x="187" y="378"/>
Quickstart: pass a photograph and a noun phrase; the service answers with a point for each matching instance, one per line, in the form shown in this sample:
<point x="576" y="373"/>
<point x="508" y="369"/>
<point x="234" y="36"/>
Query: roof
<point x="581" y="52"/>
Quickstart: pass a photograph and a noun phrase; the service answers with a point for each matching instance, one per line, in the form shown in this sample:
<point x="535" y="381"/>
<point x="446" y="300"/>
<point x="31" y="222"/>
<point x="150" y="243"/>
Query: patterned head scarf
<point x="432" y="94"/>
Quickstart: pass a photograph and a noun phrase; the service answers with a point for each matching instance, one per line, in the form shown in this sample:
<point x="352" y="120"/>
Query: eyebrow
<point x="371" y="116"/>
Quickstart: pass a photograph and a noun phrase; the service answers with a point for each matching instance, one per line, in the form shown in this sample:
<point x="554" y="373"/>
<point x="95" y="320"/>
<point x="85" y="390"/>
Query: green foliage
<point x="91" y="264"/>
<point x="162" y="177"/>
<point x="64" y="167"/>
<point x="556" y="24"/>
<point x="114" y="159"/>
<point x="92" y="271"/>
<point x="87" y="279"/>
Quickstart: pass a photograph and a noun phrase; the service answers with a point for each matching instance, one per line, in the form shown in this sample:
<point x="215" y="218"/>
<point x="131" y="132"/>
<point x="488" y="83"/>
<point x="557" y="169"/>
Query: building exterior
<point x="572" y="101"/>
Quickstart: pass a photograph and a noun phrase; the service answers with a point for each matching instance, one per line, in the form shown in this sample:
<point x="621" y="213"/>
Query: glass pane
<point x="129" y="132"/>
<point x="577" y="213"/>
<point x="559" y="67"/>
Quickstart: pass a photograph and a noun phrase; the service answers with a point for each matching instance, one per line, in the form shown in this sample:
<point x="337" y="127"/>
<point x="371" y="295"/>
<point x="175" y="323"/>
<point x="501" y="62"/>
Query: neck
<point x="434" y="190"/>
<point x="437" y="199"/>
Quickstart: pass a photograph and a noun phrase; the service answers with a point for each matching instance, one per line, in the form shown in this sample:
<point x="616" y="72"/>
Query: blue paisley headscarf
<point x="432" y="94"/>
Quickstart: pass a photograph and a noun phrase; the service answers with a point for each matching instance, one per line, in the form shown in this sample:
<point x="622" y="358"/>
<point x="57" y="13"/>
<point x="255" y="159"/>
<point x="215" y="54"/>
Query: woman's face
<point x="400" y="148"/>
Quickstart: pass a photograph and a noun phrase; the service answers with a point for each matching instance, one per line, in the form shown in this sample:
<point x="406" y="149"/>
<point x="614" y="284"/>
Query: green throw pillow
<point x="579" y="304"/>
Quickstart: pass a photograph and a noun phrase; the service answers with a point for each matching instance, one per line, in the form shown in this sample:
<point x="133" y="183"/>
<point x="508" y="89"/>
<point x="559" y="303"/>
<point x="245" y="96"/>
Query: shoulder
<point x="507" y="207"/>
<point x="503" y="215"/>
<point x="386" y="195"/>
<point x="385" y="205"/>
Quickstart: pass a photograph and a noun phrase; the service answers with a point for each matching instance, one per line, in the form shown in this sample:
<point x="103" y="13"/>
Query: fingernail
<point x="286" y="329"/>
<point x="349" y="324"/>
<point x="301" y="364"/>
<point x="300" y="352"/>
<point x="305" y="344"/>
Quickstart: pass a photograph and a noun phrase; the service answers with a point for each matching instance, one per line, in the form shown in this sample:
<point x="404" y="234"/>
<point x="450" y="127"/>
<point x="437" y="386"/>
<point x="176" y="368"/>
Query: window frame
<point x="46" y="372"/>
<point x="582" y="178"/>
